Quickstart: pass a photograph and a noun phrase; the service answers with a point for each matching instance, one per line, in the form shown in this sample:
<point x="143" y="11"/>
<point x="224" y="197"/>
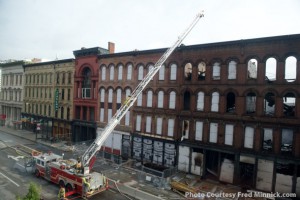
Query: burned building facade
<point x="228" y="111"/>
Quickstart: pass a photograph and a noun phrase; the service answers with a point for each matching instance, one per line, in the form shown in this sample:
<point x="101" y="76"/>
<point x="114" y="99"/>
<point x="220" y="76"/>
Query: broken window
<point x="232" y="70"/>
<point x="284" y="176"/>
<point x="251" y="103"/>
<point x="186" y="100"/>
<point x="267" y="144"/>
<point x="160" y="103"/>
<point x="185" y="129"/>
<point x="269" y="104"/>
<point x="289" y="102"/>
<point x="252" y="69"/>
<point x="290" y="69"/>
<point x="216" y="71"/>
<point x="249" y="136"/>
<point x="271" y="69"/>
<point x="199" y="130"/>
<point x="229" y="134"/>
<point x="230" y="106"/>
<point x="201" y="71"/>
<point x="215" y="102"/>
<point x="188" y="72"/>
<point x="200" y="101"/>
<point x="287" y="141"/>
<point x="213" y="133"/>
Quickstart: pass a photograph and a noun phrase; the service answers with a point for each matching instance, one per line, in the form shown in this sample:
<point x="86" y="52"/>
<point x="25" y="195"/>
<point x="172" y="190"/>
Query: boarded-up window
<point x="160" y="103"/>
<point x="159" y="126"/>
<point x="200" y="101"/>
<point x="229" y="134"/>
<point x="249" y="135"/>
<point x="103" y="73"/>
<point x="129" y="71"/>
<point x="232" y="70"/>
<point x="171" y="127"/>
<point x="216" y="71"/>
<point x="111" y="73"/>
<point x="161" y="73"/>
<point x="141" y="73"/>
<point x="120" y="72"/>
<point x="110" y="95"/>
<point x="199" y="131"/>
<point x="149" y="98"/>
<point x="148" y="124"/>
<point x="268" y="139"/>
<point x="102" y="95"/>
<point x="251" y="102"/>
<point x="109" y="114"/>
<point x="173" y="72"/>
<point x="138" y="123"/>
<point x="127" y="118"/>
<point x="140" y="99"/>
<point x="172" y="100"/>
<point x="119" y="92"/>
<point x="101" y="114"/>
<point x="215" y="102"/>
<point x="213" y="133"/>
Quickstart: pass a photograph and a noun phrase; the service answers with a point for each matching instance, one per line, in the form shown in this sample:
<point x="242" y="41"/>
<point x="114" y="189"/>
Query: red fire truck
<point x="66" y="173"/>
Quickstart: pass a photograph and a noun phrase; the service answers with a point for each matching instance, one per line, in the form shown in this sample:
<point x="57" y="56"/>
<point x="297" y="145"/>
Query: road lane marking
<point x="10" y="180"/>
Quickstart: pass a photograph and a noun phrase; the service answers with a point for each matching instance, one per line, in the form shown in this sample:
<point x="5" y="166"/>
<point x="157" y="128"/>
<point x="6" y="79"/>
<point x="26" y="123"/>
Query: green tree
<point x="33" y="193"/>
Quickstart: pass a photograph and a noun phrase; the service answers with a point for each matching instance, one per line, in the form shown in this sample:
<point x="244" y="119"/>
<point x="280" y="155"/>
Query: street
<point x="15" y="180"/>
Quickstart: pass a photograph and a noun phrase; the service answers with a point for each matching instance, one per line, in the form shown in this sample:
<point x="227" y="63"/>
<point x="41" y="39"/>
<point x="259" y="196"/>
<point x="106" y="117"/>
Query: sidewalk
<point x="122" y="179"/>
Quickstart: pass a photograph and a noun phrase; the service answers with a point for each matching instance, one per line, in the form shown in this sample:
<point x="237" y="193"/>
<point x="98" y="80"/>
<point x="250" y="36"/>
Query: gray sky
<point x="50" y="28"/>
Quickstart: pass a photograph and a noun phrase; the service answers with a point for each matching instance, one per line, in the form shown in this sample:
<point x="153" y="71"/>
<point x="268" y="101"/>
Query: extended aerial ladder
<point x="100" y="139"/>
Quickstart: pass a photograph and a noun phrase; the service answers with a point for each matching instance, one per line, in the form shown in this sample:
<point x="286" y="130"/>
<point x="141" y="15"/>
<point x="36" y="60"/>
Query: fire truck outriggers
<point x="68" y="174"/>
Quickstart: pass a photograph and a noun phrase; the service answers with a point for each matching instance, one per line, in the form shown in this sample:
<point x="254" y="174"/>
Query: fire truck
<point x="65" y="173"/>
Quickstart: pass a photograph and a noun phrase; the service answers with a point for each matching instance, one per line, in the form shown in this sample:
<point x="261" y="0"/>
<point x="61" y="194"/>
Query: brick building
<point x="228" y="111"/>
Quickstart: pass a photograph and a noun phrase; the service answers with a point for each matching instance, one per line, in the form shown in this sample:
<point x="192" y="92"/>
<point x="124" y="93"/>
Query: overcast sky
<point x="50" y="28"/>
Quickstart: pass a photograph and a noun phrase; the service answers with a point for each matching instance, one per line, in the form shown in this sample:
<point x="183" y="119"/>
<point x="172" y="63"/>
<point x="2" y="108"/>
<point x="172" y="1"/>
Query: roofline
<point x="9" y="64"/>
<point x="49" y="62"/>
<point x="207" y="45"/>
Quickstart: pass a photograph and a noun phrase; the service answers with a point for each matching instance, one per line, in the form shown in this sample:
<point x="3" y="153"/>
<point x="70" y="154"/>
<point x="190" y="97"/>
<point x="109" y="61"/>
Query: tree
<point x="33" y="193"/>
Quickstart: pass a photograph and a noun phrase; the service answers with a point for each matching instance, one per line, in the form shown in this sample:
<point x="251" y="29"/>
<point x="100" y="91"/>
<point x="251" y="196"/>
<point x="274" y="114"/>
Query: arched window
<point x="216" y="71"/>
<point x="230" y="106"/>
<point x="251" y="103"/>
<point x="172" y="100"/>
<point x="129" y="71"/>
<point x="215" y="102"/>
<point x="252" y="69"/>
<point x="120" y="72"/>
<point x="110" y="95"/>
<point x="149" y="98"/>
<point x="161" y="73"/>
<point x="290" y="69"/>
<point x="150" y="67"/>
<point x="127" y="115"/>
<point x="111" y="73"/>
<point x="173" y="72"/>
<point x="140" y="99"/>
<point x="103" y="73"/>
<point x="141" y="73"/>
<point x="186" y="100"/>
<point x="201" y="71"/>
<point x="160" y="103"/>
<point x="200" y="101"/>
<point x="86" y="84"/>
<point x="232" y="70"/>
<point x="269" y="104"/>
<point x="188" y="71"/>
<point x="271" y="69"/>
<point x="119" y="95"/>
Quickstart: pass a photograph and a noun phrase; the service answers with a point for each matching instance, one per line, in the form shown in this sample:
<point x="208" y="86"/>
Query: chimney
<point x="111" y="47"/>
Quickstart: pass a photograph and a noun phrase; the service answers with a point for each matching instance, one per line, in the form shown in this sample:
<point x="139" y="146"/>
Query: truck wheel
<point x="37" y="173"/>
<point x="69" y="187"/>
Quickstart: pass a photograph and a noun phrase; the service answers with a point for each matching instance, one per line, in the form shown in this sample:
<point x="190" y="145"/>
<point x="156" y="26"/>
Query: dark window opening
<point x="230" y="102"/>
<point x="185" y="129"/>
<point x="285" y="168"/>
<point x="86" y="84"/>
<point x="84" y="113"/>
<point x="92" y="114"/>
<point x="77" y="112"/>
<point x="186" y="101"/>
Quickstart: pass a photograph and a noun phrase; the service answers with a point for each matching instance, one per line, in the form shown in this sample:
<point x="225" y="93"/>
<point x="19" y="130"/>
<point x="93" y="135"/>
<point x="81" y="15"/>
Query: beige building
<point x="48" y="98"/>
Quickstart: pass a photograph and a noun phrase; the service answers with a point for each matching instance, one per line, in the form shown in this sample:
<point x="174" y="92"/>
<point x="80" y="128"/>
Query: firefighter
<point x="61" y="193"/>
<point x="86" y="186"/>
<point x="78" y="165"/>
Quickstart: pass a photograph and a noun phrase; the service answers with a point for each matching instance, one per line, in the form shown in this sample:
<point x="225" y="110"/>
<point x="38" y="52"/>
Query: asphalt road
<point x="15" y="180"/>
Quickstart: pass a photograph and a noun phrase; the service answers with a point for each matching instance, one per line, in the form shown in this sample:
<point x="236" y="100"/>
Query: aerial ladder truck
<point x="66" y="173"/>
